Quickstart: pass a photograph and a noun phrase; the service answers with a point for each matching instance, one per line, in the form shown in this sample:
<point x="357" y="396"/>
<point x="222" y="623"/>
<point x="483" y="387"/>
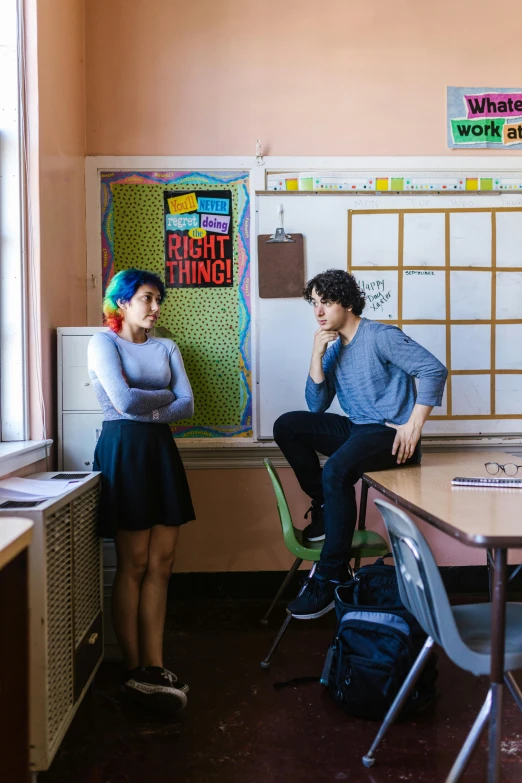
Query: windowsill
<point x="17" y="454"/>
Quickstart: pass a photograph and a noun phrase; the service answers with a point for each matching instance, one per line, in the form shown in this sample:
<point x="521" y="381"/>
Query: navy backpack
<point x="375" y="646"/>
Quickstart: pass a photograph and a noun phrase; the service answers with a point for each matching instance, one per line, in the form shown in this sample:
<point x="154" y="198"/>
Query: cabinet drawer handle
<point x="92" y="638"/>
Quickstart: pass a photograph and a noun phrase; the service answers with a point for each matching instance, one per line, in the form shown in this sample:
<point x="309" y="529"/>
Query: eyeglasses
<point x="510" y="469"/>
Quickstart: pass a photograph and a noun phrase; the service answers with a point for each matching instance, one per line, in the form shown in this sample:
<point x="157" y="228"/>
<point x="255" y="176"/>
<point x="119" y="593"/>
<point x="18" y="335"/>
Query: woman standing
<point x="141" y="385"/>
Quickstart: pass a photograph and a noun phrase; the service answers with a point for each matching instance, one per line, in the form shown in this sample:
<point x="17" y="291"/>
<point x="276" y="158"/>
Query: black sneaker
<point x="154" y="687"/>
<point x="181" y="686"/>
<point x="315" y="530"/>
<point x="315" y="599"/>
<point x="127" y="675"/>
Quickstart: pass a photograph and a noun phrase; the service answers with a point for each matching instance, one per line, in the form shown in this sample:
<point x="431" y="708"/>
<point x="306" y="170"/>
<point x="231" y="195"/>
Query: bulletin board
<point x="174" y="224"/>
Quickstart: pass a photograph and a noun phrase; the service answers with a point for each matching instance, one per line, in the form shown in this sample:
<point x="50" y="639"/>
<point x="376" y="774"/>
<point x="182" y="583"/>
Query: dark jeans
<point x="352" y="449"/>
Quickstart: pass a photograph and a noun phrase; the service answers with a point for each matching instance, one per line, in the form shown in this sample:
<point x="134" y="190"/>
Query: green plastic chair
<point x="365" y="543"/>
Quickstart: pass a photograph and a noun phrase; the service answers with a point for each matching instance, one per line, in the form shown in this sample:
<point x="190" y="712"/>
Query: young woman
<point x="141" y="385"/>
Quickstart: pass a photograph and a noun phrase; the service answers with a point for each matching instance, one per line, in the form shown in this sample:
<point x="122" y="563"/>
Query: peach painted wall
<point x="170" y="77"/>
<point x="56" y="91"/>
<point x="341" y="77"/>
<point x="237" y="526"/>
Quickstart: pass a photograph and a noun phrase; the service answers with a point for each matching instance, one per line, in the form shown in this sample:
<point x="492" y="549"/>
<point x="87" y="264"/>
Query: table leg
<point x="498" y="634"/>
<point x="362" y="504"/>
<point x="490" y="565"/>
<point x="362" y="517"/>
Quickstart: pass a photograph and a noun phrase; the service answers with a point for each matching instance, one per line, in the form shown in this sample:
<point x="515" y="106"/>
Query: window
<point x="13" y="397"/>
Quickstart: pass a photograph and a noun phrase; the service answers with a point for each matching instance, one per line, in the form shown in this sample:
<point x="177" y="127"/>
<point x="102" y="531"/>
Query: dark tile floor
<point x="238" y="729"/>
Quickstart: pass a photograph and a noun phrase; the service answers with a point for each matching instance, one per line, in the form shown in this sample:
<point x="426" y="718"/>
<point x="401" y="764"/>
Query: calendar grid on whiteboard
<point x="400" y="270"/>
<point x="473" y="392"/>
<point x="447" y="263"/>
<point x="493" y="307"/>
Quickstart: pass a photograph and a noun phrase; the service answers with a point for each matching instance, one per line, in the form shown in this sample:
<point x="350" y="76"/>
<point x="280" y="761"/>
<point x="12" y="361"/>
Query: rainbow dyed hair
<point x="122" y="288"/>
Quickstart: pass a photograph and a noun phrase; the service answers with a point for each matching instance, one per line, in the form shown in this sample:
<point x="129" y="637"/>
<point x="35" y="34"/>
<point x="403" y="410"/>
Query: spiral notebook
<point x="511" y="483"/>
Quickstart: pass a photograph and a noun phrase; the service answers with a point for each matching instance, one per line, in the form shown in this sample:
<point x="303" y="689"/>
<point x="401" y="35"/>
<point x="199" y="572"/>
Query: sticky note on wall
<point x="472" y="183"/>
<point x="397" y="183"/>
<point x="381" y="183"/>
<point x="486" y="183"/>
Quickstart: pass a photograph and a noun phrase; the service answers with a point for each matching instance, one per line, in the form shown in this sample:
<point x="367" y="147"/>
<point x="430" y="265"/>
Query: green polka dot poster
<point x="209" y="323"/>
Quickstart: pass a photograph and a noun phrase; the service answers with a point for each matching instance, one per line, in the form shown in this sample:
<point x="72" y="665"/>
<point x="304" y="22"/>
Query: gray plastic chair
<point x="464" y="632"/>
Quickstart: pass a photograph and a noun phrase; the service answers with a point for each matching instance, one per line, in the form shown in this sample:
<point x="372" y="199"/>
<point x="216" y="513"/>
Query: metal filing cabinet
<point x="79" y="415"/>
<point x="79" y="424"/>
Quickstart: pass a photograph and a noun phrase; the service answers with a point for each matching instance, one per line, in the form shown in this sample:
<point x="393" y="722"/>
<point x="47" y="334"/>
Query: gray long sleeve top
<point x="373" y="376"/>
<point x="139" y="381"/>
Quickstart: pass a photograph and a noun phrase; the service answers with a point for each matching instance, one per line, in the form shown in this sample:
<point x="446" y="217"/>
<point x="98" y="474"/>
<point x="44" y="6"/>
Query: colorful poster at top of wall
<point x="481" y="117"/>
<point x="198" y="239"/>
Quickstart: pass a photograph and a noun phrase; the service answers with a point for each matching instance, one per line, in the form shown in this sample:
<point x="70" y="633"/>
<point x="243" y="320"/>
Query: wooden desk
<point x="488" y="518"/>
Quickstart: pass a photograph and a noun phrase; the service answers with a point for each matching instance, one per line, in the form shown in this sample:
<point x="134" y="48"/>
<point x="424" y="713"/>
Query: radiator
<point x="65" y="608"/>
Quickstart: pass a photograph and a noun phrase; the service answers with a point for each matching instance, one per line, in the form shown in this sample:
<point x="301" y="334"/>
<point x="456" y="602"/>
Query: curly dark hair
<point x="336" y="285"/>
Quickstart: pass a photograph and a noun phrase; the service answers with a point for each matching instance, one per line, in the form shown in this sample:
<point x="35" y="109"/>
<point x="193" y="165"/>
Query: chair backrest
<point x="282" y="505"/>
<point x="420" y="584"/>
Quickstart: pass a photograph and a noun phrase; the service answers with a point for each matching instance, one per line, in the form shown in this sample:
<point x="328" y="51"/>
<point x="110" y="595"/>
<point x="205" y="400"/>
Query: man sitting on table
<point x="371" y="367"/>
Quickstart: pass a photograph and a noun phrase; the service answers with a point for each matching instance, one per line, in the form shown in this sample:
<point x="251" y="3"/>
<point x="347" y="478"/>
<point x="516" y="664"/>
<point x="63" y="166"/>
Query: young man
<point x="371" y="367"/>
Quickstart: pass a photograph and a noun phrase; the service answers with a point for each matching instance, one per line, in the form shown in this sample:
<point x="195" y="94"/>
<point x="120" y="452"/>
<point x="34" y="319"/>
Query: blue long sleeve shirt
<point x="373" y="376"/>
<point x="139" y="381"/>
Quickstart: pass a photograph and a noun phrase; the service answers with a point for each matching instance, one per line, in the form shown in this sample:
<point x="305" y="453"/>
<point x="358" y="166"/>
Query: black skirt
<point x="143" y="478"/>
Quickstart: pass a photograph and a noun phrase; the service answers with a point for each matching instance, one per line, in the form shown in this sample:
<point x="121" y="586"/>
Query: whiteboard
<point x="455" y="286"/>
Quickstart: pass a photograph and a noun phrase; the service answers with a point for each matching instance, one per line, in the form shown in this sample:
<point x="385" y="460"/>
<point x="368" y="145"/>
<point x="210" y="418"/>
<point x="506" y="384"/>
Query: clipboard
<point x="280" y="267"/>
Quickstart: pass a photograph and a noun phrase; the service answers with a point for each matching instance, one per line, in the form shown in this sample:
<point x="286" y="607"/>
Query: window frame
<point x="13" y="309"/>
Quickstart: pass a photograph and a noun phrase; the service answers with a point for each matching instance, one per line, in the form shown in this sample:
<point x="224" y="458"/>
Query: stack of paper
<point x="33" y="489"/>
